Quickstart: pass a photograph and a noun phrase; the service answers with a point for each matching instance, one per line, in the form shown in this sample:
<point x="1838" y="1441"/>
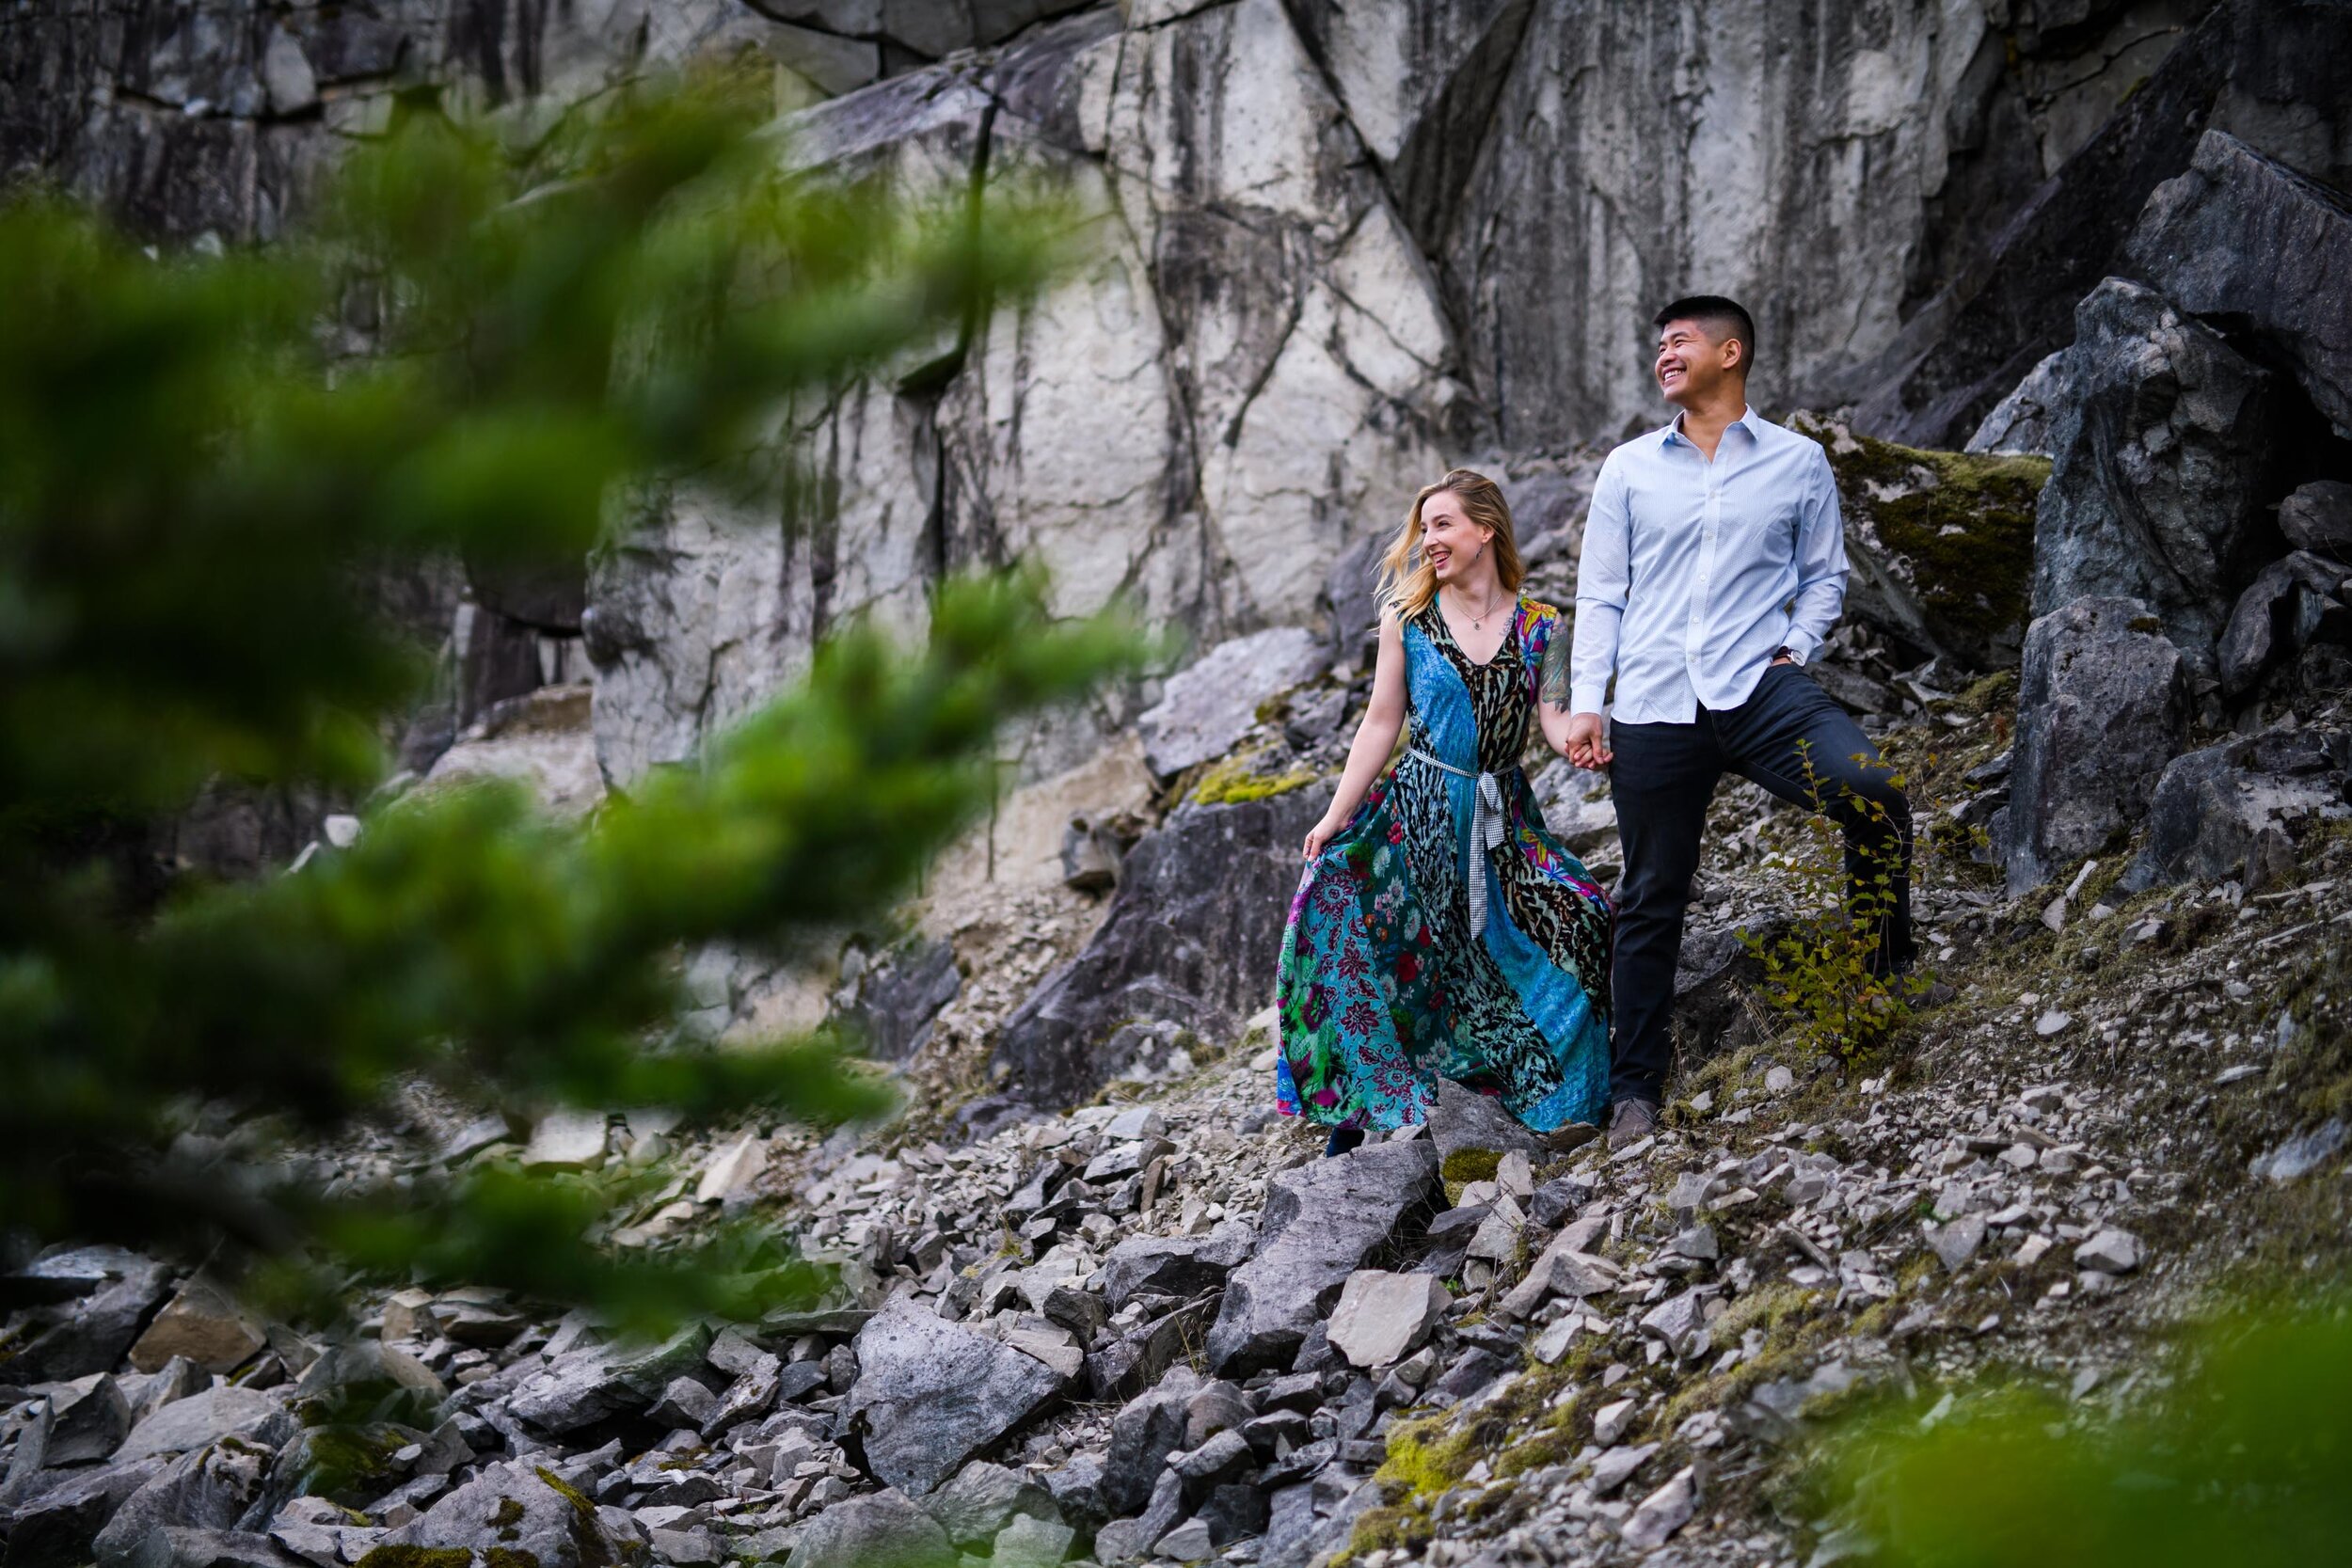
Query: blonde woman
<point x="1440" y="931"/>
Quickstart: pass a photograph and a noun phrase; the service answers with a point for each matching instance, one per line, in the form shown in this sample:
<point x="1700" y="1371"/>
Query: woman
<point x="1440" y="931"/>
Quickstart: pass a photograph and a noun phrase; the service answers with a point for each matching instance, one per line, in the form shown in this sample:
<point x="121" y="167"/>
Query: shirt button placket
<point x="1712" y="510"/>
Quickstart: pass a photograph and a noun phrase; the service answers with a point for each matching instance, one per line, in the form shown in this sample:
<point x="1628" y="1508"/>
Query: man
<point x="1714" y="563"/>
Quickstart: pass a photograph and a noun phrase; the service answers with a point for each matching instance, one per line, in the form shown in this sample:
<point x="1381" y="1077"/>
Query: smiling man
<point x="1714" y="563"/>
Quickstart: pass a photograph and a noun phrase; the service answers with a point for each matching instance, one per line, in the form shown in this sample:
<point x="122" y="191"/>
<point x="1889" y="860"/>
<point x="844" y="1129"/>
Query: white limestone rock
<point x="1382" y="1317"/>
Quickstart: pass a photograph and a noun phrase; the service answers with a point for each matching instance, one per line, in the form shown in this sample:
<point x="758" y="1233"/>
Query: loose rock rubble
<point x="1163" y="1331"/>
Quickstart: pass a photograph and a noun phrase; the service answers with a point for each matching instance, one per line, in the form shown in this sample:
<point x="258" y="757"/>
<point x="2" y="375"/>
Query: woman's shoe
<point x="1342" y="1140"/>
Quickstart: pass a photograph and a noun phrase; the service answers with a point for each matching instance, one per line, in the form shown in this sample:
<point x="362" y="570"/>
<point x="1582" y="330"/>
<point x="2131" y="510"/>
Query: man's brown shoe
<point x="1629" y="1122"/>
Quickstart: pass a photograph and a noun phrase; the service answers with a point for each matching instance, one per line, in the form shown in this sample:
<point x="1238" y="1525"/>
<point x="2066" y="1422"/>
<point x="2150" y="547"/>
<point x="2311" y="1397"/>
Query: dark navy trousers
<point x="1662" y="779"/>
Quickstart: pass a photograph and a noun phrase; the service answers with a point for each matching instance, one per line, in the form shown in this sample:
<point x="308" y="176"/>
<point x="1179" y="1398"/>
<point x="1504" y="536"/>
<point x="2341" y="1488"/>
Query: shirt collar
<point x="1672" y="432"/>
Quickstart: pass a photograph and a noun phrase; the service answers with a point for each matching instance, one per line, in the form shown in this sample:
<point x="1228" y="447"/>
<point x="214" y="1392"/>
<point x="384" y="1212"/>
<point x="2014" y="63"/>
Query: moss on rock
<point x="1954" y="528"/>
<point x="417" y="1557"/>
<point x="345" y="1461"/>
<point x="1235" y="780"/>
<point x="1466" y="1165"/>
<point x="580" y="1500"/>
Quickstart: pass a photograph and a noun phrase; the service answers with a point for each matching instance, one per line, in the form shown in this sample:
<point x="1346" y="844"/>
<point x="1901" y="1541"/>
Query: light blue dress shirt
<point x="1693" y="572"/>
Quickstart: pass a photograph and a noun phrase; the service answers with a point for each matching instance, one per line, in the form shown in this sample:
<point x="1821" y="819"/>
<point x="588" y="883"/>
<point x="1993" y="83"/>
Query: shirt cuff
<point x="1802" y="646"/>
<point x="1588" y="699"/>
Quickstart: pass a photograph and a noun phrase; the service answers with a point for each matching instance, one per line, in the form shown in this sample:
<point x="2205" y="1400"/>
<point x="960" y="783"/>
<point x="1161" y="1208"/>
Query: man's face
<point x="1691" y="366"/>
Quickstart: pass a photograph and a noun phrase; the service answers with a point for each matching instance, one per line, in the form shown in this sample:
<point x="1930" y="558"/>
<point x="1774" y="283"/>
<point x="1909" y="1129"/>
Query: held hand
<point x="1587" y="744"/>
<point x="1319" y="835"/>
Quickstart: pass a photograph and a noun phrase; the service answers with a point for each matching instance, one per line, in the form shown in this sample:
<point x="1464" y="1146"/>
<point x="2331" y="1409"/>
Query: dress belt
<point x="1485" y="832"/>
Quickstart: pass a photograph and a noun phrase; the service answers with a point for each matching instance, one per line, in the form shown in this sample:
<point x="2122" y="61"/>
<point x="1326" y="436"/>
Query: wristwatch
<point x="1785" y="651"/>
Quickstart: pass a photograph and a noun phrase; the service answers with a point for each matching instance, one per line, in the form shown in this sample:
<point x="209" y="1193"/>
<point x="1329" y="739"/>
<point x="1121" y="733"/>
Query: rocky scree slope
<point x="1158" y="1328"/>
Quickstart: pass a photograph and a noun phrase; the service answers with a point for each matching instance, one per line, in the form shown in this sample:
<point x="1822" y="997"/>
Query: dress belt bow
<point x="1485" y="832"/>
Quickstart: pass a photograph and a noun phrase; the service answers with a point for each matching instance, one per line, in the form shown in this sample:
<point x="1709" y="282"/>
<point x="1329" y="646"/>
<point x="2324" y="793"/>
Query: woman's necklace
<point x="1477" y="621"/>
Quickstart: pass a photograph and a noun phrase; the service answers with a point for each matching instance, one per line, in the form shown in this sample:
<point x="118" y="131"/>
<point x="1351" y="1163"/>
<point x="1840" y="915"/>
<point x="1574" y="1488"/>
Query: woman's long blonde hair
<point x="1408" y="582"/>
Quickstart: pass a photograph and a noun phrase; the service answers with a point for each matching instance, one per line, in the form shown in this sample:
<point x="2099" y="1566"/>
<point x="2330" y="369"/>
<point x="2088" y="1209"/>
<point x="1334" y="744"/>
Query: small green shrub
<point x="1819" y="975"/>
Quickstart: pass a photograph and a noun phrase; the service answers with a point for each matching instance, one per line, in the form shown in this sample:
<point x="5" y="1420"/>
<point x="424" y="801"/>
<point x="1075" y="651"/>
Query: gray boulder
<point x="53" y="1528"/>
<point x="1715" y="973"/>
<point x="88" y="1419"/>
<point x="1211" y="703"/>
<point x="603" y="1381"/>
<point x="1580" y="819"/>
<point x="2161" y="459"/>
<point x="895" y="998"/>
<point x="1175" y="1265"/>
<point x="1029" y="1541"/>
<point x="1121" y="1367"/>
<point x="2022" y="424"/>
<point x="882" y="1527"/>
<point x="2318" y="518"/>
<point x="210" y="1489"/>
<point x="2243" y="238"/>
<point x="1077" y="1489"/>
<point x="256" y="1416"/>
<point x="2242" y="808"/>
<point x="1189" y="942"/>
<point x="1126" y="1540"/>
<point x="2102" y="706"/>
<point x="1321" y="1221"/>
<point x="982" y="1499"/>
<point x="2292" y="603"/>
<point x="1146" y="1431"/>
<point x="108" y="1294"/>
<point x="930" y="1395"/>
<point x="189" y="1547"/>
<point x="1941" y="543"/>
<point x="151" y="1392"/>
<point x="521" y="1507"/>
<point x="1461" y="1118"/>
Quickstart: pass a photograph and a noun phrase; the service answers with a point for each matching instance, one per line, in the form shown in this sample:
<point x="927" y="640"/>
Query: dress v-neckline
<point x="1518" y="606"/>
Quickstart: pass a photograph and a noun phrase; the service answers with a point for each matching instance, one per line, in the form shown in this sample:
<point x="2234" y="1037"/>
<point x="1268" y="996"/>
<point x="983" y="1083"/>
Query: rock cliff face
<point x="1336" y="248"/>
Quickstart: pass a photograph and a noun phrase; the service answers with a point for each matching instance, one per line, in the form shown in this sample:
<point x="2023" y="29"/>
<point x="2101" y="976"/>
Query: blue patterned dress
<point x="1383" y="987"/>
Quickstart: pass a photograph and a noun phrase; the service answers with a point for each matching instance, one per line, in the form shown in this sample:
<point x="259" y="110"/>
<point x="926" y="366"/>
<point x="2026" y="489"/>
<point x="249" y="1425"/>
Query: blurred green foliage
<point x="2240" y="1458"/>
<point x="466" y="354"/>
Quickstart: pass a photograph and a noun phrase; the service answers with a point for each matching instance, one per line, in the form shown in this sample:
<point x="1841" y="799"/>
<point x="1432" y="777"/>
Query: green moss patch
<point x="1236" y="780"/>
<point x="1466" y="1165"/>
<point x="1963" y="522"/>
<point x="417" y="1557"/>
<point x="572" y="1495"/>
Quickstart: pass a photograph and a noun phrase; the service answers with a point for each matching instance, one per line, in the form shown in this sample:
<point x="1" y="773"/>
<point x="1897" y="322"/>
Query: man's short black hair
<point x="1721" y="318"/>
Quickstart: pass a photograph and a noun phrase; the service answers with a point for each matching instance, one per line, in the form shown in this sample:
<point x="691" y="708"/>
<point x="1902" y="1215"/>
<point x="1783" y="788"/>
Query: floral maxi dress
<point x="1383" y="988"/>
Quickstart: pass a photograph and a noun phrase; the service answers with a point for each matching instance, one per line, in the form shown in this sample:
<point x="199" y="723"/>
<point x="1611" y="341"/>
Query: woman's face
<point x="1448" y="540"/>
